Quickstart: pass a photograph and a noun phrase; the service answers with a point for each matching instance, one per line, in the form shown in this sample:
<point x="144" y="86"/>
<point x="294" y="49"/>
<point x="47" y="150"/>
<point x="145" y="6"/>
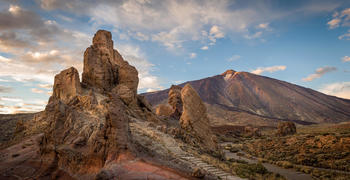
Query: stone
<point x="100" y="69"/>
<point x="66" y="85"/>
<point x="125" y="94"/>
<point x="286" y="128"/>
<point x="127" y="74"/>
<point x="164" y="110"/>
<point x="194" y="118"/>
<point x="174" y="99"/>
<point x="105" y="68"/>
<point x="198" y="173"/>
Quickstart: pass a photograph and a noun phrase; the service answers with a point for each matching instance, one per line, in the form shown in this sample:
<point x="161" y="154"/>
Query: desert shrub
<point x="249" y="170"/>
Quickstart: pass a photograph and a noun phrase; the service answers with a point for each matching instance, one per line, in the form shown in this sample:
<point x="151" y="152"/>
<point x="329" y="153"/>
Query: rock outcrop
<point x="88" y="122"/>
<point x="164" y="110"/>
<point x="66" y="85"/>
<point x="174" y="99"/>
<point x="100" y="68"/>
<point x="105" y="68"/>
<point x="194" y="119"/>
<point x="286" y="128"/>
<point x="127" y="74"/>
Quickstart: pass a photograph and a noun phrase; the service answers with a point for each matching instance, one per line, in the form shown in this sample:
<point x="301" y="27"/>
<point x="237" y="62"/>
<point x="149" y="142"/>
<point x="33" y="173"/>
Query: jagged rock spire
<point x="100" y="70"/>
<point x="194" y="118"/>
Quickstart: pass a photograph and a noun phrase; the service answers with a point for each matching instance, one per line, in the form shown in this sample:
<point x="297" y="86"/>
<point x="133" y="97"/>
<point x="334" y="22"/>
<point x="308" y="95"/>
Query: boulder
<point x="286" y="128"/>
<point x="194" y="119"/>
<point x="66" y="85"/>
<point x="174" y="99"/>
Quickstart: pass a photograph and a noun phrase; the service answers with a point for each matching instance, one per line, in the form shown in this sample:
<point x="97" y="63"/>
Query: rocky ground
<point x="9" y="122"/>
<point x="100" y="128"/>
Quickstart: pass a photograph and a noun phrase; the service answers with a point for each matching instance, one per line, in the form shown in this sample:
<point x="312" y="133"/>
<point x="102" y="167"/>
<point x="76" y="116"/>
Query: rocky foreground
<point x="100" y="128"/>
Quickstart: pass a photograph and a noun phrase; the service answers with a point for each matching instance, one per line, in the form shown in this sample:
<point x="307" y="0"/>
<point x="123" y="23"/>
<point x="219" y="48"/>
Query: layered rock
<point x="164" y="110"/>
<point x="286" y="128"/>
<point x="127" y="74"/>
<point x="174" y="99"/>
<point x="100" y="69"/>
<point x="194" y="118"/>
<point x="66" y="85"/>
<point x="88" y="124"/>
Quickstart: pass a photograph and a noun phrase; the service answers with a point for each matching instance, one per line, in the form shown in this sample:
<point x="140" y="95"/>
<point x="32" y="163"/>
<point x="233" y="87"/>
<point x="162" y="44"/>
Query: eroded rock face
<point x="100" y="69"/>
<point x="286" y="128"/>
<point x="127" y="74"/>
<point x="88" y="125"/>
<point x="174" y="99"/>
<point x="164" y="110"/>
<point x="194" y="118"/>
<point x="66" y="85"/>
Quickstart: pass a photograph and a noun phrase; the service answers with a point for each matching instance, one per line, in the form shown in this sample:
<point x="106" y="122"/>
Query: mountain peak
<point x="229" y="71"/>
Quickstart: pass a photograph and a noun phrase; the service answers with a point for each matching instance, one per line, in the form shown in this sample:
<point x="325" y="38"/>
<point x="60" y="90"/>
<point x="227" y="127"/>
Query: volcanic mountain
<point x="242" y="98"/>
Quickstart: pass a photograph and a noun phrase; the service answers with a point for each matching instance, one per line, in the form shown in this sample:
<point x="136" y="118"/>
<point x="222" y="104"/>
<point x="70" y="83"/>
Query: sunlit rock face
<point x="194" y="118"/>
<point x="88" y="122"/>
<point x="67" y="84"/>
<point x="100" y="69"/>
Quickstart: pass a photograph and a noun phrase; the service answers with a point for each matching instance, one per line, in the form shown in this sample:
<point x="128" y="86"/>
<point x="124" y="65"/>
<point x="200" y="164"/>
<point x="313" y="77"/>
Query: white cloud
<point x="13" y="9"/>
<point x="46" y="86"/>
<point x="339" y="89"/>
<point x="234" y="58"/>
<point x="319" y="73"/>
<point x="345" y="36"/>
<point x="11" y="99"/>
<point x="193" y="55"/>
<point x="4" y="59"/>
<point x="135" y="57"/>
<point x="346" y="59"/>
<point x="142" y="37"/>
<point x="334" y="23"/>
<point x="39" y="91"/>
<point x="263" y="26"/>
<point x="271" y="69"/>
<point x="341" y="19"/>
<point x="253" y="36"/>
<point x="216" y="32"/>
<point x="204" y="48"/>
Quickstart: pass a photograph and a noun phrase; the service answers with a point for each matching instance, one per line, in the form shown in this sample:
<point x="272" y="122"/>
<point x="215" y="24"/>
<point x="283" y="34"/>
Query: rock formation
<point x="164" y="110"/>
<point x="88" y="124"/>
<point x="100" y="68"/>
<point x="286" y="128"/>
<point x="194" y="118"/>
<point x="66" y="85"/>
<point x="174" y="99"/>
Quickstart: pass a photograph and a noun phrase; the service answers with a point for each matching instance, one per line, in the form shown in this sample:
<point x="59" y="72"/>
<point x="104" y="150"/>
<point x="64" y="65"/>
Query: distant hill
<point x="243" y="98"/>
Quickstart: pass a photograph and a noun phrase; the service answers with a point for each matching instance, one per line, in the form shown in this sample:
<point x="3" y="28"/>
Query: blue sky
<point x="303" y="42"/>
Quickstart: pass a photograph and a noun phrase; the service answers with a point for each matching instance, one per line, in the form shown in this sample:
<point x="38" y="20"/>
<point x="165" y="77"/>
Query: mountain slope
<point x="245" y="98"/>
